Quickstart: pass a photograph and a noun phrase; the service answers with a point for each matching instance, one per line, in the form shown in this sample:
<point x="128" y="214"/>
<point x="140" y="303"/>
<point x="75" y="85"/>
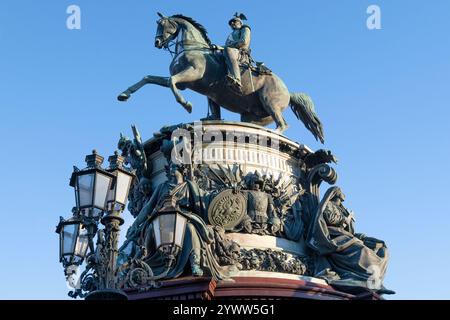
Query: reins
<point x="176" y="42"/>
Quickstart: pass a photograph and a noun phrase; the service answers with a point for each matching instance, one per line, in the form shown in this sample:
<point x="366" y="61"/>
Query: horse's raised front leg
<point x="160" y="81"/>
<point x="189" y="74"/>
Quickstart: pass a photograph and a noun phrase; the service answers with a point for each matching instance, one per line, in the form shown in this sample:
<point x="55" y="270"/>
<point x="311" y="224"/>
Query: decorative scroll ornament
<point x="227" y="209"/>
<point x="140" y="275"/>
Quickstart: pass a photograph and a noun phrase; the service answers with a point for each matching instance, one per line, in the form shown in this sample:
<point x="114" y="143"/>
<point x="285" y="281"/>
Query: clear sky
<point x="383" y="96"/>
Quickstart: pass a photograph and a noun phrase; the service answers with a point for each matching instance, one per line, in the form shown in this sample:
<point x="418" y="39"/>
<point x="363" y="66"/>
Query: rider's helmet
<point x="237" y="17"/>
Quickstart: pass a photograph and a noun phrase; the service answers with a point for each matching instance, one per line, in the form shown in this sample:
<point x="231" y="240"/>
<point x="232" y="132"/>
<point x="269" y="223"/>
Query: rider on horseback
<point x="236" y="46"/>
<point x="196" y="67"/>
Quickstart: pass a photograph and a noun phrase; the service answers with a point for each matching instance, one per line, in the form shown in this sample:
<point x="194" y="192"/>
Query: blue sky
<point x="381" y="94"/>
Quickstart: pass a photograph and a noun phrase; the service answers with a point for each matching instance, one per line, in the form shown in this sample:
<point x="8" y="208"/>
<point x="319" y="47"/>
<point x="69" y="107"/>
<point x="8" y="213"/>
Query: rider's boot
<point x="234" y="84"/>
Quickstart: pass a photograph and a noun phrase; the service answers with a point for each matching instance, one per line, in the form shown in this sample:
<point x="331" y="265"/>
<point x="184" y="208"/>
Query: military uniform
<point x="260" y="210"/>
<point x="237" y="44"/>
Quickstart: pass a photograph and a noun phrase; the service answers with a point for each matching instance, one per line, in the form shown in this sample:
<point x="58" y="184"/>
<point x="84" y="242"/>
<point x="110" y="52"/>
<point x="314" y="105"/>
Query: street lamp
<point x="91" y="186"/>
<point x="116" y="199"/>
<point x="73" y="241"/>
<point x="101" y="196"/>
<point x="99" y="193"/>
<point x="169" y="226"/>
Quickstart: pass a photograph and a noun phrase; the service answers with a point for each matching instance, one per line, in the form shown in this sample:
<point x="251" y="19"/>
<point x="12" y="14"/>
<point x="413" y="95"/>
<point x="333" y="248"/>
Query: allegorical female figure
<point x="198" y="237"/>
<point x="345" y="257"/>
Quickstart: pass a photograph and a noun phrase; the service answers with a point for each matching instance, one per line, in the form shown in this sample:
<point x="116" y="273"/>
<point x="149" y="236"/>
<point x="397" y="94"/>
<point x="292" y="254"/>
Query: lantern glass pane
<point x="122" y="187"/>
<point x="102" y="185"/>
<point x="111" y="195"/>
<point x="167" y="227"/>
<point x="157" y="231"/>
<point x="179" y="235"/>
<point x="69" y="236"/>
<point x="82" y="243"/>
<point x="85" y="189"/>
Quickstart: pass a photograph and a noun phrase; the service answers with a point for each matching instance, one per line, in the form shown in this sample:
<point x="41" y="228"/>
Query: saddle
<point x="245" y="61"/>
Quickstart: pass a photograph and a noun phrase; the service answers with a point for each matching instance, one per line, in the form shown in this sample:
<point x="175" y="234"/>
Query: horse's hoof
<point x="123" y="96"/>
<point x="188" y="107"/>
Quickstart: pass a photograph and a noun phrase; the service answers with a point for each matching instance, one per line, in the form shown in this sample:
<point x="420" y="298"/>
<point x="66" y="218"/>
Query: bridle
<point x="174" y="41"/>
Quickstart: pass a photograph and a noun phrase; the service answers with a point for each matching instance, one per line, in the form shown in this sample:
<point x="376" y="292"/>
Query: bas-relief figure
<point x="261" y="216"/>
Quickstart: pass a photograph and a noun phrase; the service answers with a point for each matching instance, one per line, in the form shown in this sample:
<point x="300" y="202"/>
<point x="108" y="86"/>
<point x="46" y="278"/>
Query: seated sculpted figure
<point x="198" y="237"/>
<point x="345" y="257"/>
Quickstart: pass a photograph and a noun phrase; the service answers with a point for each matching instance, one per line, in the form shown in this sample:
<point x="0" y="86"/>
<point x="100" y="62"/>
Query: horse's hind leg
<point x="161" y="81"/>
<point x="274" y="104"/>
<point x="274" y="98"/>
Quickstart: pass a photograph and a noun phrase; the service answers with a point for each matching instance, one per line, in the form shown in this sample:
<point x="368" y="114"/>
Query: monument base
<point x="246" y="288"/>
<point x="251" y="200"/>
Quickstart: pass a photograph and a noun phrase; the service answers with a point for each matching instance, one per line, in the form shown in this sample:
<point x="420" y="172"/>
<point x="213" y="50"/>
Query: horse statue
<point x="199" y="65"/>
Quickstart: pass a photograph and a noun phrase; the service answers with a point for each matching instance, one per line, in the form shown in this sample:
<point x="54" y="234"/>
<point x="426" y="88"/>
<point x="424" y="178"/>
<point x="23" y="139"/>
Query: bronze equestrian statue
<point x="260" y="97"/>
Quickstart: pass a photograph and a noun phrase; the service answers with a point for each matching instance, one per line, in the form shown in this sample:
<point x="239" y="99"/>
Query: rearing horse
<point x="199" y="66"/>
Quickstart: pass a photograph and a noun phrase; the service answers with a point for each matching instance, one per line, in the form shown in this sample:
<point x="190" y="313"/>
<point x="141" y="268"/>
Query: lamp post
<point x="100" y="195"/>
<point x="116" y="201"/>
<point x="91" y="186"/>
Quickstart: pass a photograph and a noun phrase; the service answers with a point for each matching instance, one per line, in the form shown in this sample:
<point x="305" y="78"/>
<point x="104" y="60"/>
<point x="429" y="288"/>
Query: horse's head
<point x="167" y="30"/>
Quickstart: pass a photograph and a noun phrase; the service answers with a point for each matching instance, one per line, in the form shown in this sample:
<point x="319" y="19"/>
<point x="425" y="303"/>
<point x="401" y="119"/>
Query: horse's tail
<point x="303" y="107"/>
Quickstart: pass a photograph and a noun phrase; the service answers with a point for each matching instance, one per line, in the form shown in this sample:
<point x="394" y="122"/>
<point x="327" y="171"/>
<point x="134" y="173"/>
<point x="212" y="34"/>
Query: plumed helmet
<point x="237" y="17"/>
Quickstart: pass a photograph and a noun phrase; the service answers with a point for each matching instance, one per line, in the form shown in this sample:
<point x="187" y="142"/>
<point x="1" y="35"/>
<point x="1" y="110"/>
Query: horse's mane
<point x="197" y="25"/>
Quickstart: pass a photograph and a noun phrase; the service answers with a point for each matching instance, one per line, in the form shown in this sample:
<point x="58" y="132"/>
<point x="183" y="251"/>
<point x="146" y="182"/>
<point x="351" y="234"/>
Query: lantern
<point x="92" y="185"/>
